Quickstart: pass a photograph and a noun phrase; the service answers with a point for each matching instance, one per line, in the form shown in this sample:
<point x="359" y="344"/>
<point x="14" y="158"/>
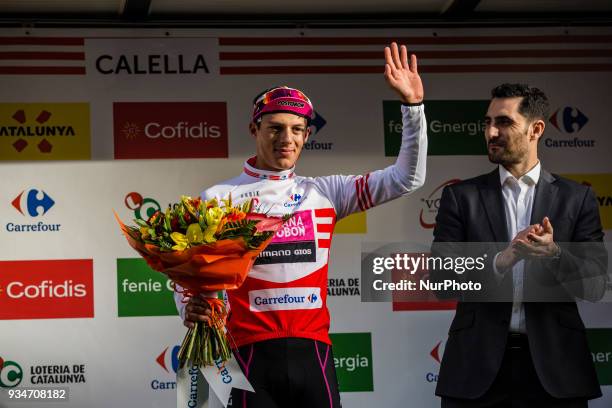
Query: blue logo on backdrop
<point x="34" y="200"/>
<point x="568" y="119"/>
<point x="317" y="123"/>
<point x="168" y="360"/>
<point x="33" y="203"/>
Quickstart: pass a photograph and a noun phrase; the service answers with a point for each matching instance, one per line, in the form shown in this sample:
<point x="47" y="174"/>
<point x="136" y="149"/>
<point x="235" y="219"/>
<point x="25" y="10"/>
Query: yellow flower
<point x="213" y="218"/>
<point x="194" y="234"/>
<point x="181" y="241"/>
<point x="144" y="233"/>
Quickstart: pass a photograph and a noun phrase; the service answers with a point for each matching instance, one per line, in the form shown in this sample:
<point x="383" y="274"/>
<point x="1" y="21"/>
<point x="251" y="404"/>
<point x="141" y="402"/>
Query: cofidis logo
<point x="11" y="373"/>
<point x="46" y="289"/>
<point x="158" y="130"/>
<point x="32" y="203"/>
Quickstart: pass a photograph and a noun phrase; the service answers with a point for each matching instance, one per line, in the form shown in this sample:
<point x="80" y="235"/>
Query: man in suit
<point x="523" y="351"/>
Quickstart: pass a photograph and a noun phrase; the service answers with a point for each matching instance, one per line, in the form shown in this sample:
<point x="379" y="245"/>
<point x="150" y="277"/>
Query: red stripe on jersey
<point x="325" y="228"/>
<point x="367" y="190"/>
<point x="324" y="243"/>
<point x="358" y="190"/>
<point x="366" y="204"/>
<point x="325" y="212"/>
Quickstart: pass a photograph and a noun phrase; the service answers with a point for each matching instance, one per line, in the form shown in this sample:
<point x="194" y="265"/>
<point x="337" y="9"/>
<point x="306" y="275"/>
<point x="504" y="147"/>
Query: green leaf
<point x="140" y="222"/>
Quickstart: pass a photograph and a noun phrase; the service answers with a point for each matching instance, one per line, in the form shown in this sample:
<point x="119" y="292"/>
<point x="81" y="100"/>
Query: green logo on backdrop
<point x="453" y="127"/>
<point x="353" y="360"/>
<point x="142" y="291"/>
<point x="600" y="343"/>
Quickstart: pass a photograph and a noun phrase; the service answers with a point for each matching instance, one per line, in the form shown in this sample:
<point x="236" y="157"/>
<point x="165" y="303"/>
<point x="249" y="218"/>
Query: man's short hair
<point x="534" y="104"/>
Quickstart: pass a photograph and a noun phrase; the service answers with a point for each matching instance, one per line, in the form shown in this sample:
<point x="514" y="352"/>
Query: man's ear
<point x="537" y="129"/>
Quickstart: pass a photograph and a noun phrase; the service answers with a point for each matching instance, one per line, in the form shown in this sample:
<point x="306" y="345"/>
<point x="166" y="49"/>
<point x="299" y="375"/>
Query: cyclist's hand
<point x="402" y="76"/>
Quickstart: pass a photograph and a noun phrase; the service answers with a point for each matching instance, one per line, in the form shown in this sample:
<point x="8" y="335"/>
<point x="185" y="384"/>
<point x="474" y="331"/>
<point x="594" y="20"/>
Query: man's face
<point x="279" y="139"/>
<point x="508" y="134"/>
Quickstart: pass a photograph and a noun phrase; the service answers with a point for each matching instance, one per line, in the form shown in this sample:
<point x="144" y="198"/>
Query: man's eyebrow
<point x="499" y="117"/>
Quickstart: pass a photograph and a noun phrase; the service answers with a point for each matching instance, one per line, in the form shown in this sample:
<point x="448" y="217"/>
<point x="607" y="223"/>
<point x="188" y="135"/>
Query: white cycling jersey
<point x="284" y="294"/>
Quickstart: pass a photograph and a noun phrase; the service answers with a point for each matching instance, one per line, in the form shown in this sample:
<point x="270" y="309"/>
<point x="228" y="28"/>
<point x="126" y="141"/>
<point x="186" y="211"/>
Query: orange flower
<point x="235" y="216"/>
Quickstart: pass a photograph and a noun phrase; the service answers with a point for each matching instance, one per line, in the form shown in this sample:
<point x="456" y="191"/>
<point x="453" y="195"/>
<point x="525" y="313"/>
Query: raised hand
<point x="402" y="76"/>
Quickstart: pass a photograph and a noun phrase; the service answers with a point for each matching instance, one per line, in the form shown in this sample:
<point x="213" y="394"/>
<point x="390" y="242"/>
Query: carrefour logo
<point x="316" y="124"/>
<point x="32" y="203"/>
<point x="568" y="119"/>
<point x="294" y="200"/>
<point x="285" y="299"/>
<point x="168" y="360"/>
<point x="11" y="374"/>
<point x="436" y="353"/>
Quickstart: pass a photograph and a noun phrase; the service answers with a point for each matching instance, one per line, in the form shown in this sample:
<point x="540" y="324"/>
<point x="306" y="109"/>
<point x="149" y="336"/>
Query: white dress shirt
<point x="518" y="195"/>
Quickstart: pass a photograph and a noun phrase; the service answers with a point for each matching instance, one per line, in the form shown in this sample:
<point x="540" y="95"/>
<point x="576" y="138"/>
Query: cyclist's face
<point x="279" y="139"/>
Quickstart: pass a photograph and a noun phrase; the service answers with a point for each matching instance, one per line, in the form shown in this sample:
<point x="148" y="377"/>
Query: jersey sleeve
<point x="356" y="193"/>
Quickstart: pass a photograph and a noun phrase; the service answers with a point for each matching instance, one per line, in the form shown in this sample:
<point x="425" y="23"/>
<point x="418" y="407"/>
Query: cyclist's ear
<point x="307" y="133"/>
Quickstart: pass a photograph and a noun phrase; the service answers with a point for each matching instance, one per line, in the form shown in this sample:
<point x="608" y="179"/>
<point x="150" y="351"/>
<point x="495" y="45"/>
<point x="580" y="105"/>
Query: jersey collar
<point x="249" y="169"/>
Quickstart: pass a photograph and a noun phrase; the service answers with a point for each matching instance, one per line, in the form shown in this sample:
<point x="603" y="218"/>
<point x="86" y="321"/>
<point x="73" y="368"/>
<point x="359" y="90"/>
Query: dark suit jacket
<point x="472" y="211"/>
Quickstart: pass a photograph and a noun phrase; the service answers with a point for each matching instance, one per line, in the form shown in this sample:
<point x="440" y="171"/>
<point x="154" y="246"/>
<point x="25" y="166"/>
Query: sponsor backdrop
<point x="96" y="120"/>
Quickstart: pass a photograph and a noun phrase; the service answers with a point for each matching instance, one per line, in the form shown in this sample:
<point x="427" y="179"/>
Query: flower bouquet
<point x="203" y="246"/>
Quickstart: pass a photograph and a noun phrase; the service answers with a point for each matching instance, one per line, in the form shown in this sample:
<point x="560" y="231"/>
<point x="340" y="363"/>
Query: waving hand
<point x="402" y="76"/>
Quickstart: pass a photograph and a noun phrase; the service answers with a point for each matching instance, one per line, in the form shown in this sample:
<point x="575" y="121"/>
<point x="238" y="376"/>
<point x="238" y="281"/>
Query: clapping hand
<point x="539" y="243"/>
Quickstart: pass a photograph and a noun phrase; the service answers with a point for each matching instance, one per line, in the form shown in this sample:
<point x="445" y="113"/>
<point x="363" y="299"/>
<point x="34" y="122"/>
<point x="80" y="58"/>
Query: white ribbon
<point x="192" y="384"/>
<point x="223" y="376"/>
<point x="191" y="389"/>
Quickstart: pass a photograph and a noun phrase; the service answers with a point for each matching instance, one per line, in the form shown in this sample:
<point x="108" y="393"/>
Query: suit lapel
<point x="492" y="198"/>
<point x="545" y="195"/>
